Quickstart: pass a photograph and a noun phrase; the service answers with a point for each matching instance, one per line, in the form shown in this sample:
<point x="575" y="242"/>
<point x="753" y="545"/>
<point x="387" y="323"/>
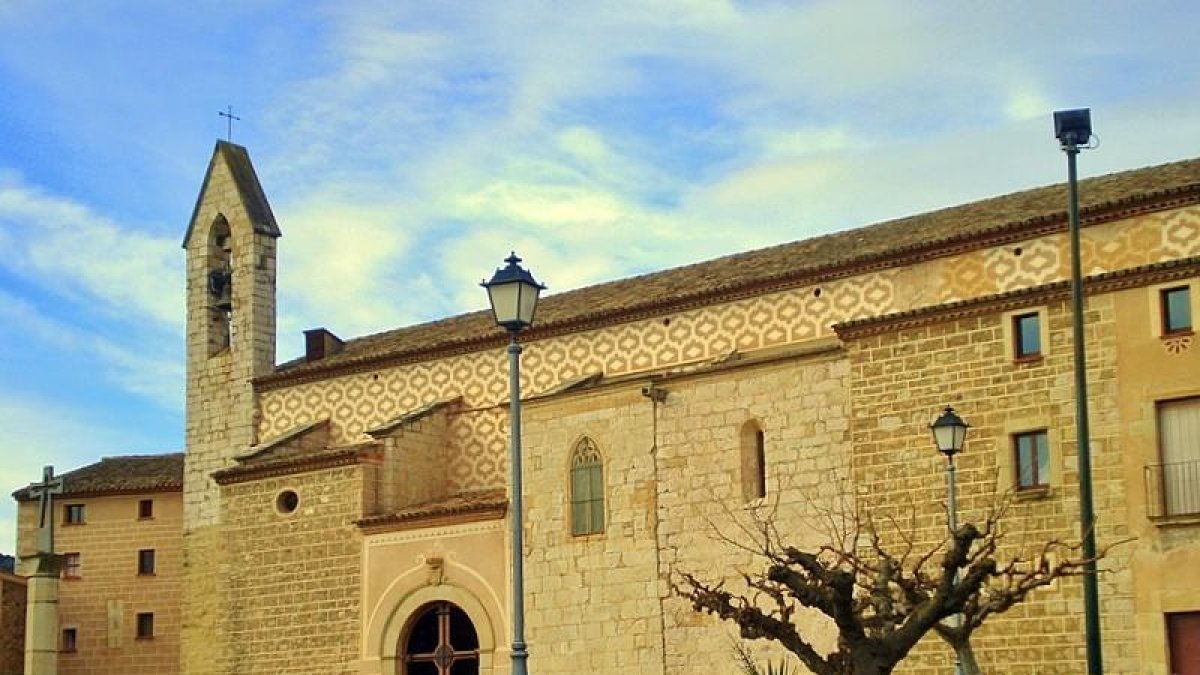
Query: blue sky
<point x="407" y="147"/>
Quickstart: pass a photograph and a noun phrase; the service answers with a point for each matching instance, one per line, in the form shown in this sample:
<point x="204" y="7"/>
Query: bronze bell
<point x="220" y="286"/>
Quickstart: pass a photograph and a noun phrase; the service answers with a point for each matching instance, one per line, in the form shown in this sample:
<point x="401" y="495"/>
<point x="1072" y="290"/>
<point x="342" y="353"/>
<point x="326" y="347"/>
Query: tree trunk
<point x="966" y="658"/>
<point x="865" y="662"/>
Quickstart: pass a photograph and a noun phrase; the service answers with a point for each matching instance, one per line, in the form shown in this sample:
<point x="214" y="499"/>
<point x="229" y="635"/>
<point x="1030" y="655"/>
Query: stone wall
<point x="592" y="601"/>
<point x="800" y="403"/>
<point x="899" y="382"/>
<point x="291" y="584"/>
<point x="12" y="624"/>
<point x="414" y="464"/>
<point x="102" y="604"/>
<point x="673" y="502"/>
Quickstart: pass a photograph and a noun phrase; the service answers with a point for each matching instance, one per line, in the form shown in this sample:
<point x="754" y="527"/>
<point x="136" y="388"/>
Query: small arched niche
<point x="753" y="454"/>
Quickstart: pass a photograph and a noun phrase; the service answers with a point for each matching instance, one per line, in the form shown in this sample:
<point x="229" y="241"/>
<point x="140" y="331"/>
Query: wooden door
<point x="1183" y="638"/>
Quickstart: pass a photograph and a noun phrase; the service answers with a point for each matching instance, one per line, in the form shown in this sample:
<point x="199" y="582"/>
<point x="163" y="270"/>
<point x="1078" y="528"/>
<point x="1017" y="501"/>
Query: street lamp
<point x="949" y="435"/>
<point x="513" y="294"/>
<point x="1073" y="129"/>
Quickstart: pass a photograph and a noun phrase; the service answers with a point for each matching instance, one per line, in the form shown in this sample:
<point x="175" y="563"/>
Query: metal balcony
<point x="1173" y="489"/>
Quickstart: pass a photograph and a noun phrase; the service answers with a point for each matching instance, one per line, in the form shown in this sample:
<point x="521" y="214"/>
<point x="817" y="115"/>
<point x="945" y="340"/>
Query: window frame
<point x="144" y="625"/>
<point x="147" y="555"/>
<point x="444" y="615"/>
<point x="1173" y="503"/>
<point x="145" y="509"/>
<point x="1039" y="482"/>
<point x="74" y="513"/>
<point x="72" y="565"/>
<point x="1018" y="332"/>
<point x="1164" y="310"/>
<point x="69" y="640"/>
<point x="587" y="465"/>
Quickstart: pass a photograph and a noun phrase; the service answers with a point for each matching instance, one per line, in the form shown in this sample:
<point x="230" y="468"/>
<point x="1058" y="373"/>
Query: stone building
<point x="118" y="526"/>
<point x="346" y="512"/>
<point x="12" y="622"/>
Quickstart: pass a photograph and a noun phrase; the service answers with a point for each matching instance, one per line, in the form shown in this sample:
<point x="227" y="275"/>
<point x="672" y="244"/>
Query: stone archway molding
<point x="382" y="639"/>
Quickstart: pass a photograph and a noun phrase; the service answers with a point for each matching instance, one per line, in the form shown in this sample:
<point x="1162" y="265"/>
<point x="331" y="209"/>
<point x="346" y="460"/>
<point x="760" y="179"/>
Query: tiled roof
<point x="122" y="475"/>
<point x="492" y="501"/>
<point x="298" y="460"/>
<point x="1008" y="217"/>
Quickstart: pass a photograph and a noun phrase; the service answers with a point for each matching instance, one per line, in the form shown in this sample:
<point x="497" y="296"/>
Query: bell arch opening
<point x="219" y="279"/>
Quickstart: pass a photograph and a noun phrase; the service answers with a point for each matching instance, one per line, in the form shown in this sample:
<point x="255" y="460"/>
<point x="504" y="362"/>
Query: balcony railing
<point x="1173" y="489"/>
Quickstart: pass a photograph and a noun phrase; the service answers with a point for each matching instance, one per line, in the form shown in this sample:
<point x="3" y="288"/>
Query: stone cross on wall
<point x="45" y="491"/>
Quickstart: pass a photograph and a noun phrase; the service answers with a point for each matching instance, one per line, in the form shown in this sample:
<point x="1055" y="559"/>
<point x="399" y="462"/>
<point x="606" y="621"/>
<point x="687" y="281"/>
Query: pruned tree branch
<point x="881" y="598"/>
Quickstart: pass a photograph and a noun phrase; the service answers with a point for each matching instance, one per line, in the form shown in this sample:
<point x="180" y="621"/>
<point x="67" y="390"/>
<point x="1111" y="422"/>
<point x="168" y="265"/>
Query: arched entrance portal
<point x="440" y="640"/>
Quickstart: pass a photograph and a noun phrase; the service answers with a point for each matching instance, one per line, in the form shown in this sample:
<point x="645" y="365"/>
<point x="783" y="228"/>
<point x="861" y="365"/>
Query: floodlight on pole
<point x="1073" y="129"/>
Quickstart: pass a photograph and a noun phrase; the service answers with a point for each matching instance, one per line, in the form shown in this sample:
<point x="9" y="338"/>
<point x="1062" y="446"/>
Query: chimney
<point x="319" y="343"/>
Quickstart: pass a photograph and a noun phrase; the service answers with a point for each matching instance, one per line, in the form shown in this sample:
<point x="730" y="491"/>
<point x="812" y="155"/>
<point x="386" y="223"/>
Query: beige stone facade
<point x="330" y="502"/>
<point x="109" y="584"/>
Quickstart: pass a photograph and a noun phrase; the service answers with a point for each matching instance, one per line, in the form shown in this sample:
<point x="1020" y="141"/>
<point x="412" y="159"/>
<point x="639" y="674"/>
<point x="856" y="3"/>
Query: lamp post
<point x="513" y="294"/>
<point x="949" y="434"/>
<point x="1073" y="128"/>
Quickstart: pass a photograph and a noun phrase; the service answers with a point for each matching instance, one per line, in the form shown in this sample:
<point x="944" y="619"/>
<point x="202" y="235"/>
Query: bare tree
<point x="883" y="597"/>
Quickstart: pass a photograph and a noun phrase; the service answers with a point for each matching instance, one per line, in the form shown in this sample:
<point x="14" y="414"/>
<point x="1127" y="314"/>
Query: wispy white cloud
<point x="141" y="365"/>
<point x="61" y="244"/>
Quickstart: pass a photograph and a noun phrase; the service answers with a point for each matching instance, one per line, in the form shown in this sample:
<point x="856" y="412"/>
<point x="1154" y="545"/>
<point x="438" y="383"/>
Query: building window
<point x="1027" y="336"/>
<point x="73" y="514"/>
<point x="1032" y="459"/>
<point x="145" y="625"/>
<point x="587" y="489"/>
<point x="1176" y="481"/>
<point x="68" y="640"/>
<point x="146" y="561"/>
<point x="145" y="509"/>
<point x="71" y="564"/>
<point x="1176" y="306"/>
<point x="441" y="641"/>
<point x="286" y="502"/>
<point x="753" y="461"/>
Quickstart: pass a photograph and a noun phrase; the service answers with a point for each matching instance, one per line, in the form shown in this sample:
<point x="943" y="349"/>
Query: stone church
<point x="346" y="512"/>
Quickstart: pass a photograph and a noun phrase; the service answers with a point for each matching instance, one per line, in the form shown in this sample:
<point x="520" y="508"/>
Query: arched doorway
<point x="440" y="640"/>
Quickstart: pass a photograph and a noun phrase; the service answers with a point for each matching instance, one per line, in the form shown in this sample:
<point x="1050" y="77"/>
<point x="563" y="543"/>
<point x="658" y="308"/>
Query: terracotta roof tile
<point x="462" y="503"/>
<point x="121" y="475"/>
<point x="775" y="267"/>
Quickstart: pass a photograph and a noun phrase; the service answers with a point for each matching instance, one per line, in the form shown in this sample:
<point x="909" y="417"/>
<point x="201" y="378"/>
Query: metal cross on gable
<point x="51" y="485"/>
<point x="230" y="117"/>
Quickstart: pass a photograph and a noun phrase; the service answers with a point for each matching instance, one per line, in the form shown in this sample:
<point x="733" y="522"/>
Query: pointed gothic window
<point x="587" y="489"/>
<point x="441" y="641"/>
<point x="753" y="461"/>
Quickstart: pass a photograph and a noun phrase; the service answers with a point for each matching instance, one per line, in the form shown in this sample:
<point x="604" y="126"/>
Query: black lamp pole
<point x="1074" y="129"/>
